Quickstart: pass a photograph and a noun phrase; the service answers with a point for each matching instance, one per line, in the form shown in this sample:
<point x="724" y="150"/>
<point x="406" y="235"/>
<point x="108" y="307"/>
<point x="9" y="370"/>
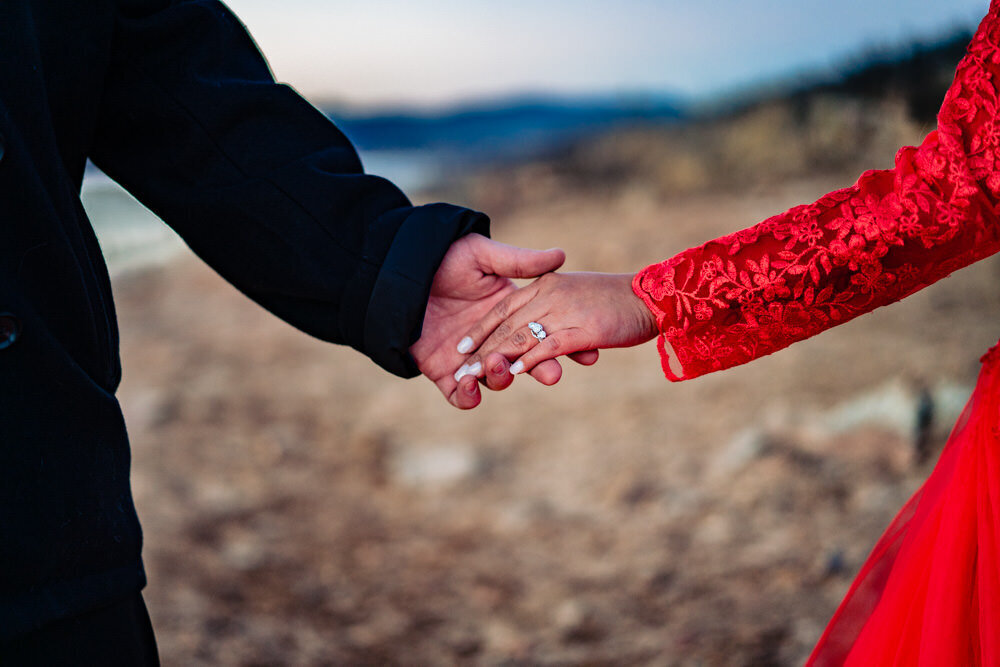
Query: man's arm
<point x="263" y="186"/>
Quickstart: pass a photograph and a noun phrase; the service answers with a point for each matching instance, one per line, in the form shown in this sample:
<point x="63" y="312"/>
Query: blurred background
<point x="302" y="507"/>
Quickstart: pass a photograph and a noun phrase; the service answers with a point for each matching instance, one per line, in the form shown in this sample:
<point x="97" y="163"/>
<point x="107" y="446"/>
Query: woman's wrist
<point x="645" y="317"/>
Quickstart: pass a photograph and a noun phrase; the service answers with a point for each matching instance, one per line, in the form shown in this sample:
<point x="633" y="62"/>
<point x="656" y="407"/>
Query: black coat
<point x="172" y="100"/>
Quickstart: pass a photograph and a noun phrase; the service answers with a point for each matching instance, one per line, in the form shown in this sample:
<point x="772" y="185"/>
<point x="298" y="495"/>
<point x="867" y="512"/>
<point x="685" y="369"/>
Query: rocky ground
<point x="302" y="507"/>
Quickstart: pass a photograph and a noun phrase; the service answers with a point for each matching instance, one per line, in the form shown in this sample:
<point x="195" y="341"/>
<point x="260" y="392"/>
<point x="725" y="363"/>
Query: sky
<point x="436" y="53"/>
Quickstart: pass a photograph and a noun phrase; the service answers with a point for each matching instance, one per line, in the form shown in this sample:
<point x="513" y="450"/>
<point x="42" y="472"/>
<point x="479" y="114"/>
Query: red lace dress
<point x="929" y="594"/>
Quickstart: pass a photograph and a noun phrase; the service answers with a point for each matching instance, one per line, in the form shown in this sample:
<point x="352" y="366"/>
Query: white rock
<point x="436" y="465"/>
<point x="743" y="448"/>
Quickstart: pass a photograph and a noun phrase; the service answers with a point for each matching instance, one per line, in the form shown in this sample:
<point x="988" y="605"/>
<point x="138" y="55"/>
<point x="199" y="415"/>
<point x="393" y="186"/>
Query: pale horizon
<point x="435" y="53"/>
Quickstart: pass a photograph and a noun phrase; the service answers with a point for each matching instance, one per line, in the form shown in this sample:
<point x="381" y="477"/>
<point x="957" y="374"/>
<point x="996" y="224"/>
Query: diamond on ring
<point x="537" y="330"/>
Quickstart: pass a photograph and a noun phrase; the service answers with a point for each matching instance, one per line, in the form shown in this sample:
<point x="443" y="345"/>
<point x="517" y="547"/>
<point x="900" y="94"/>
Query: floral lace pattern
<point x="894" y="232"/>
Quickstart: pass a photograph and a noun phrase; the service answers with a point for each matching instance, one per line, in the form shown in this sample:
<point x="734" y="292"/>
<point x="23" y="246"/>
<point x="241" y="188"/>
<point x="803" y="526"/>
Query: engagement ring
<point x="537" y="330"/>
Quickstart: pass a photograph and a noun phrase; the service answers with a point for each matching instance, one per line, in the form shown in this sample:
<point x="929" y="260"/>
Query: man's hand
<point x="474" y="276"/>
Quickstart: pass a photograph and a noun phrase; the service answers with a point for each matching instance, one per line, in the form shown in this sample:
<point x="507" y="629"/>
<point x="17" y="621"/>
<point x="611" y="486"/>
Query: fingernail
<point x="470" y="388"/>
<point x="474" y="369"/>
<point x="465" y="345"/>
<point x="498" y="369"/>
<point x="517" y="367"/>
<point x="461" y="372"/>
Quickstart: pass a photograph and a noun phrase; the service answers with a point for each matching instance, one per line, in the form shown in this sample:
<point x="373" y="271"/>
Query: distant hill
<point x="851" y="120"/>
<point x="919" y="74"/>
<point x="848" y="122"/>
<point x="512" y="127"/>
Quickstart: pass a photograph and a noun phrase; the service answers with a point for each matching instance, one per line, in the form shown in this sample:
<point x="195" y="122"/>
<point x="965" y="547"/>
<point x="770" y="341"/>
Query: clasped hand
<point x="476" y="322"/>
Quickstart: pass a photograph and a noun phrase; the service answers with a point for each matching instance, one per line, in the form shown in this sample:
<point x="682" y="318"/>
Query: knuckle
<point x="502" y="308"/>
<point x="519" y="338"/>
<point x="555" y="342"/>
<point x="503" y="330"/>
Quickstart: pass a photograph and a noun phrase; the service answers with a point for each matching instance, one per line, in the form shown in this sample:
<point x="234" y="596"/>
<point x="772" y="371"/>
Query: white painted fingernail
<point x="465" y="345"/>
<point x="461" y="372"/>
<point x="517" y="367"/>
<point x="475" y="369"/>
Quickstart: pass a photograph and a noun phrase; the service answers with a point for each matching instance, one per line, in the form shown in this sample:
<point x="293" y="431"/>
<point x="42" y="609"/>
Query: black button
<point x="10" y="330"/>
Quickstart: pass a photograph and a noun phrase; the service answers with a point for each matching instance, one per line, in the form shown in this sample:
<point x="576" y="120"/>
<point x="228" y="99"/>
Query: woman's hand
<point x="579" y="312"/>
<point x="474" y="275"/>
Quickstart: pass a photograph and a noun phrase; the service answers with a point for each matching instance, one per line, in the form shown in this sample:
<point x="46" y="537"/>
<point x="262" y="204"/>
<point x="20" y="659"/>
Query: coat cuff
<point x="390" y="297"/>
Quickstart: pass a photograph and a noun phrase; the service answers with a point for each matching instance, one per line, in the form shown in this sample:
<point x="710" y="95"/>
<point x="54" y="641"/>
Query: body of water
<point x="132" y="237"/>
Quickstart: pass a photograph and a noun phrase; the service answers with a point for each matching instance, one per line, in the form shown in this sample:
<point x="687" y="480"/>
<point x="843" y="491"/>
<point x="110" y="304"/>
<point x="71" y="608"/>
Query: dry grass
<point x="763" y="145"/>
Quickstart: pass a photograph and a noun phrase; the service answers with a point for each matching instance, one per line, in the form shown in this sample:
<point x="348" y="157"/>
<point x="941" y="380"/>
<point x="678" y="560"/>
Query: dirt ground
<point x="302" y="507"/>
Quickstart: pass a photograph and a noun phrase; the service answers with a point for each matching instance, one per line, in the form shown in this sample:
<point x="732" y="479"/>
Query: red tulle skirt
<point x="929" y="593"/>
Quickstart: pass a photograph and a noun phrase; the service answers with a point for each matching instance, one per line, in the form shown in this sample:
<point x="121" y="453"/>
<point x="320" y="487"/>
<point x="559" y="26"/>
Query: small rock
<point x="244" y="554"/>
<point x="741" y="450"/>
<point x="145" y="409"/>
<point x="949" y="401"/>
<point x="661" y="582"/>
<point x="714" y="529"/>
<point x="891" y="406"/>
<point x="502" y="638"/>
<point x="577" y="623"/>
<point x="836" y="564"/>
<point x="465" y="643"/>
<point x="435" y="466"/>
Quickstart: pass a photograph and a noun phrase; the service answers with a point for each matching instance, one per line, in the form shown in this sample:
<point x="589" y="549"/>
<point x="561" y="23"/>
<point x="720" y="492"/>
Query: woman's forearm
<point x="894" y="232"/>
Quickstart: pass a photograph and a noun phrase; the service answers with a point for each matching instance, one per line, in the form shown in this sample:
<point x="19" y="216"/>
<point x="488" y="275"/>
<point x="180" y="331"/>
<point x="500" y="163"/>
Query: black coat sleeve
<point x="263" y="186"/>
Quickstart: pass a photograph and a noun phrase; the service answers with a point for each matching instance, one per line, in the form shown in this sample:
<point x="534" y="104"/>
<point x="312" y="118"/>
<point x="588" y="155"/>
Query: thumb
<point x="514" y="262"/>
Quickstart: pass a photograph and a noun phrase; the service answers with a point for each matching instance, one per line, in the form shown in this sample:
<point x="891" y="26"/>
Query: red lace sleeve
<point x="792" y="276"/>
